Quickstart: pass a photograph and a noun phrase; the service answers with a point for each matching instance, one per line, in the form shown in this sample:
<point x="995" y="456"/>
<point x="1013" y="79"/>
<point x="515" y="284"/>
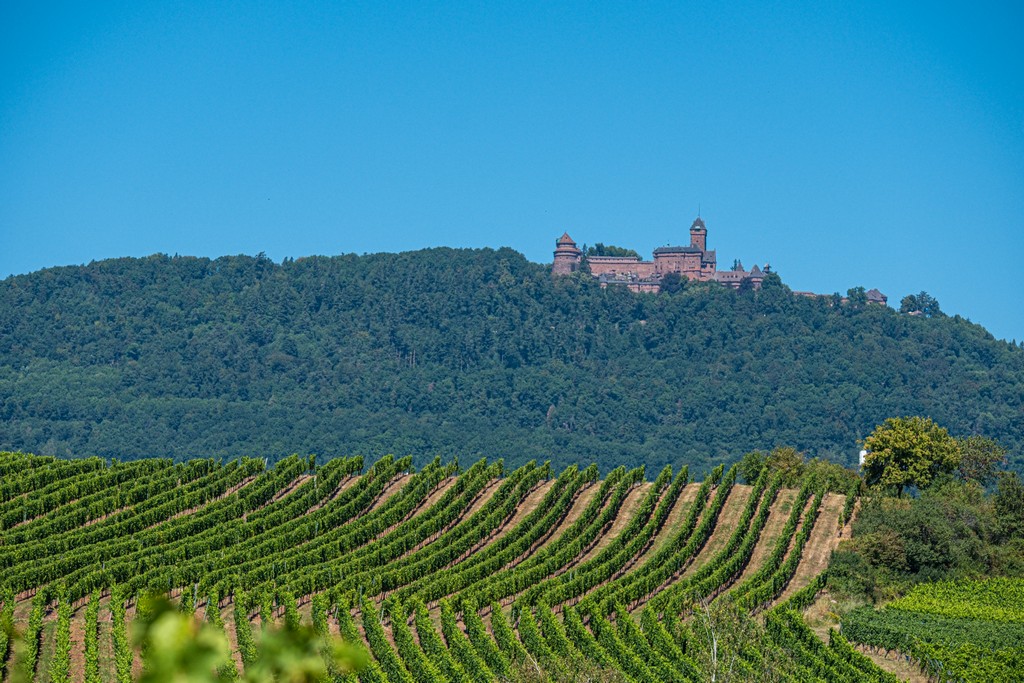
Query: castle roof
<point x="678" y="250"/>
<point x="698" y="223"/>
<point x="756" y="272"/>
<point x="615" y="259"/>
<point x="565" y="239"/>
<point x="875" y="295"/>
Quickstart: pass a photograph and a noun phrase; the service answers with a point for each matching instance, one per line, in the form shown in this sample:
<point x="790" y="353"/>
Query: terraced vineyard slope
<point x="437" y="575"/>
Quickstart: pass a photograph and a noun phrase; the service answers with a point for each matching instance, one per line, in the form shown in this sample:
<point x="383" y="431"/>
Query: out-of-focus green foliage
<point x="178" y="648"/>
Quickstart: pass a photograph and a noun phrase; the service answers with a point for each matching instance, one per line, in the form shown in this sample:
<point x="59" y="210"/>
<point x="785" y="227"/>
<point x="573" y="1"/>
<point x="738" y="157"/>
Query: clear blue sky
<point x="876" y="144"/>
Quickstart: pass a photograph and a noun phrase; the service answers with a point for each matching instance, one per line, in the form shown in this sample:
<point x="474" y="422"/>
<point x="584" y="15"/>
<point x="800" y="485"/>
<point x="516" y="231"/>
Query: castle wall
<point x="620" y="265"/>
<point x="734" y="278"/>
<point x="687" y="264"/>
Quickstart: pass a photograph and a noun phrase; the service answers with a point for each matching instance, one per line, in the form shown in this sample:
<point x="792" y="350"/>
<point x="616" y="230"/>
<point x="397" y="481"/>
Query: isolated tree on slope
<point x="909" y="451"/>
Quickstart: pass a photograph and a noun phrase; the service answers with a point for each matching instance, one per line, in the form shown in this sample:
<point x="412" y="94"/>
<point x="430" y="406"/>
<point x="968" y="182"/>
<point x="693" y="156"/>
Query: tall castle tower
<point x="699" y="234"/>
<point x="567" y="256"/>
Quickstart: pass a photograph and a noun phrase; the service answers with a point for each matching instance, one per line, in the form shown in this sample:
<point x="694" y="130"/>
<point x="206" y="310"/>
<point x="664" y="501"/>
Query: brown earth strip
<point x="641" y="556"/>
<point x="803" y="516"/>
<point x="770" y="533"/>
<point x="532" y="501"/>
<point x="424" y="505"/>
<point x="478" y="502"/>
<point x="391" y="489"/>
<point x="200" y="611"/>
<point x="824" y="539"/>
<point x="294" y="484"/>
<point x="434" y="608"/>
<point x="481" y="499"/>
<point x="434" y="496"/>
<point x="77" y="668"/>
<point x="672" y="522"/>
<point x="686" y="567"/>
<point x="346" y="483"/>
<point x="192" y="510"/>
<point x="287" y="490"/>
<point x="579" y="504"/>
<point x="628" y="510"/>
<point x="728" y="520"/>
<point x="525" y="507"/>
<point x="232" y="634"/>
<point x="97" y="520"/>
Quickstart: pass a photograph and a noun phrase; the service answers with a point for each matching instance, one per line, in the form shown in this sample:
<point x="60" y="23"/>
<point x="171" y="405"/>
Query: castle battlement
<point x="693" y="261"/>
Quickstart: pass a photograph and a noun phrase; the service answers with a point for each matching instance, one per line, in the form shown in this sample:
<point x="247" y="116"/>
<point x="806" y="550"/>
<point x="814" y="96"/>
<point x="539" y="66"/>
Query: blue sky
<point x="875" y="144"/>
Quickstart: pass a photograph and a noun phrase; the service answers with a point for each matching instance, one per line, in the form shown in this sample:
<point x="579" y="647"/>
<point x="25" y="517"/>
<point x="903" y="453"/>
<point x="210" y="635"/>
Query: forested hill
<point x="467" y="353"/>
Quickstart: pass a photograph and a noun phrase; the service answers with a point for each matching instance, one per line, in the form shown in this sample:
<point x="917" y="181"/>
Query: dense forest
<point x="468" y="353"/>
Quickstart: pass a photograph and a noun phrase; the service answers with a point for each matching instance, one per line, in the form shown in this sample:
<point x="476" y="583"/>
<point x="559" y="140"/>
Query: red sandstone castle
<point x="695" y="262"/>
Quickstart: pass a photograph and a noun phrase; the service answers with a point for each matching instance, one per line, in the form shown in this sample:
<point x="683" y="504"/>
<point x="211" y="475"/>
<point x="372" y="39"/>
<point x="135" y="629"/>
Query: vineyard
<point x="964" y="630"/>
<point x="438" y="574"/>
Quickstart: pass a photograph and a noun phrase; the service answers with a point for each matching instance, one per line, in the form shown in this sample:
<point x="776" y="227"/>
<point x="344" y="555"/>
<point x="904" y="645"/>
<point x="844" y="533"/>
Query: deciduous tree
<point x="909" y="451"/>
<point x="981" y="459"/>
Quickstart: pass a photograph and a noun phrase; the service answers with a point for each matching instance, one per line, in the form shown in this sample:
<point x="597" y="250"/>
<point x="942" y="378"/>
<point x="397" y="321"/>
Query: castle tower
<point x="567" y="256"/>
<point x="699" y="234"/>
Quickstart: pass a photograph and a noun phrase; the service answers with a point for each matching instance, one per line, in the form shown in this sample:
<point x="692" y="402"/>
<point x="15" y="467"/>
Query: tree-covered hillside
<point x="469" y="352"/>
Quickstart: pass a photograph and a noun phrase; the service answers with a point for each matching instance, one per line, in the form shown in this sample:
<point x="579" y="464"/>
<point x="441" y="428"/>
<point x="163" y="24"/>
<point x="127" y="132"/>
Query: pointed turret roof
<point x="698" y="223"/>
<point x="565" y="239"/>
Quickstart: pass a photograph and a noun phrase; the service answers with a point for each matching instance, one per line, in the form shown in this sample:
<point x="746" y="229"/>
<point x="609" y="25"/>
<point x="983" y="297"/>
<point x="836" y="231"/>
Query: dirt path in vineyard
<point x="672" y="522"/>
<point x="770" y="533"/>
<point x="579" y="504"/>
<point x="628" y="510"/>
<point x="77" y="667"/>
<point x="824" y="539"/>
<point x="391" y="489"/>
<point x="726" y="524"/>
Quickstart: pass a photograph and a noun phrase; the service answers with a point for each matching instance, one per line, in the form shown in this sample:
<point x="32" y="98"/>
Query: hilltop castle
<point x="695" y="262"/>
